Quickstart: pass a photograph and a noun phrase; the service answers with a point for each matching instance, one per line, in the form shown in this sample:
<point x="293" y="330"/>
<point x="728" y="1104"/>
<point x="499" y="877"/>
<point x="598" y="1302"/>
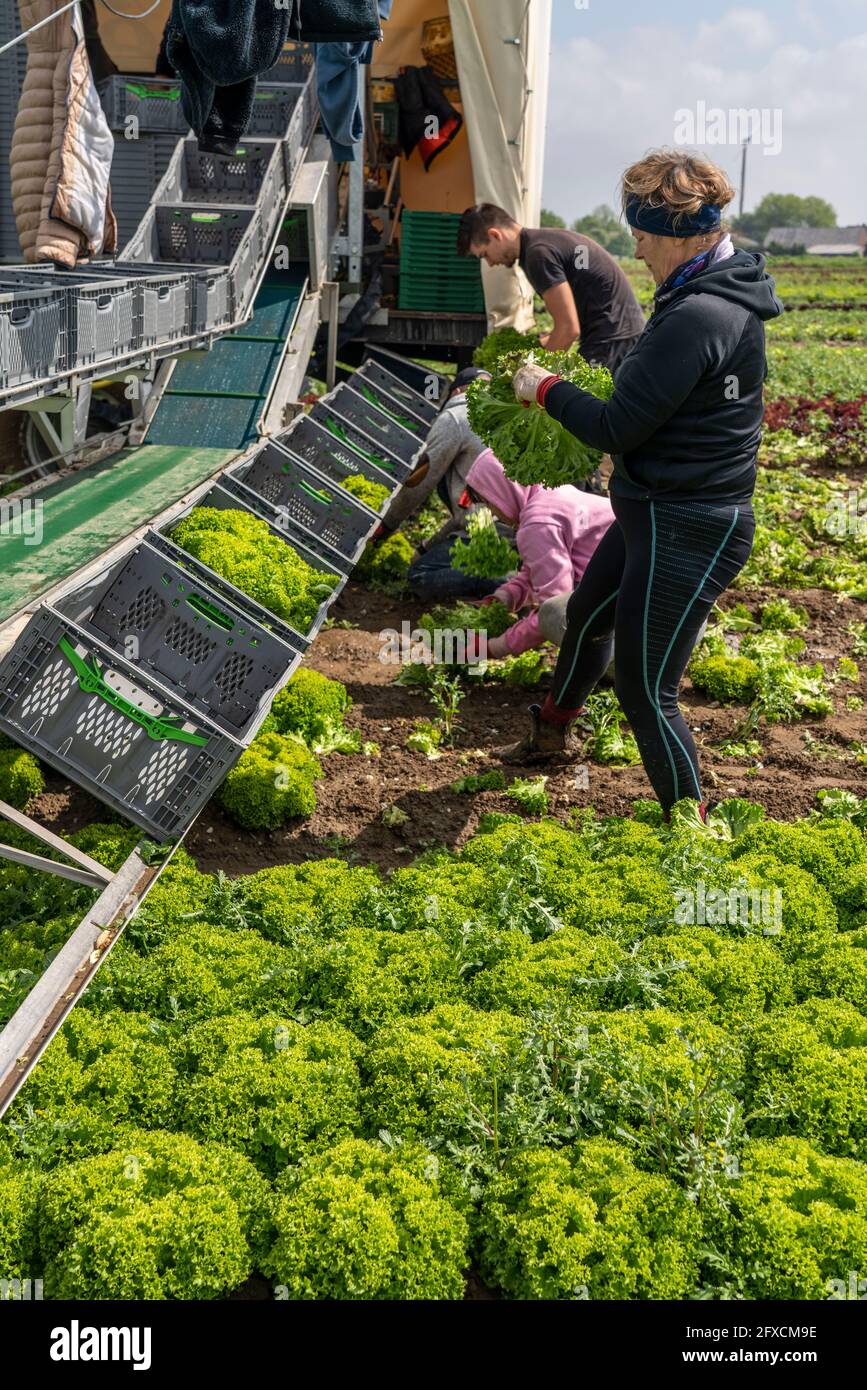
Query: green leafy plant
<point x="271" y="782"/>
<point x="243" y="549"/>
<point x="493" y="618"/>
<point x="530" y="794"/>
<point x="21" y="779"/>
<point x="372" y="494"/>
<point x="502" y="342"/>
<point x="485" y="554"/>
<point x="607" y="742"/>
<point x="314" y="707"/>
<point x="446" y="694"/>
<point x="532" y="447"/>
<point x="426" y="738"/>
<point x="492" y="781"/>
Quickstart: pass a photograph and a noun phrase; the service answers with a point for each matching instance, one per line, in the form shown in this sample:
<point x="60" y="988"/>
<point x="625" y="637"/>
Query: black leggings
<point x="647" y="590"/>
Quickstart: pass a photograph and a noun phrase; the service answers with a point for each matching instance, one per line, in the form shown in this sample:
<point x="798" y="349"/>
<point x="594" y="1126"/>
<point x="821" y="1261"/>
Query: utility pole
<point x="746" y="142"/>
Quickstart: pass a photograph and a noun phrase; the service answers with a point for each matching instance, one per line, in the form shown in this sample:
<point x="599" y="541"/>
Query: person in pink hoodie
<point x="556" y="532"/>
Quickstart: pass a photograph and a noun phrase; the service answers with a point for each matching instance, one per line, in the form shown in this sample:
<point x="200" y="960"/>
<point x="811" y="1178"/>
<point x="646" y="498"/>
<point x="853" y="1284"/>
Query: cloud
<point x="615" y="95"/>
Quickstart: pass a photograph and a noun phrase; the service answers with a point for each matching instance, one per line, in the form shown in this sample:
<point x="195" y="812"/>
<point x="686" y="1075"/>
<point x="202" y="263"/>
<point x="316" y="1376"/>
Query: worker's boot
<point x="543" y="743"/>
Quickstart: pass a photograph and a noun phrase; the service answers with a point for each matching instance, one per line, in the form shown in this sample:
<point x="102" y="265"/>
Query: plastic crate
<point x="295" y="64"/>
<point x="313" y="444"/>
<point x="423" y="408"/>
<point x="289" y="528"/>
<point x="317" y="555"/>
<point x="308" y="498"/>
<point x="347" y="436"/>
<point x="379" y="427"/>
<point x="154" y="102"/>
<point x="136" y="168"/>
<point x="421" y="379"/>
<point x="72" y="702"/>
<point x="254" y="174"/>
<point x="381" y="400"/>
<point x="214" y="654"/>
<point x="191" y="234"/>
<point x="103" y="312"/>
<point x="164" y="299"/>
<point x="33" y="333"/>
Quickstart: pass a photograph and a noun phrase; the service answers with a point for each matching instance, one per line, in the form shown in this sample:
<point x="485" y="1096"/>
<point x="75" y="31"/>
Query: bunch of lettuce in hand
<point x="531" y="446"/>
<point x="485" y="554"/>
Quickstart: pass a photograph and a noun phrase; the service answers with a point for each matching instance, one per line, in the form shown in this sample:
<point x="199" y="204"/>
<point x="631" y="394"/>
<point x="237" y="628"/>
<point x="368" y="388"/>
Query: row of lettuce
<point x="615" y="1060"/>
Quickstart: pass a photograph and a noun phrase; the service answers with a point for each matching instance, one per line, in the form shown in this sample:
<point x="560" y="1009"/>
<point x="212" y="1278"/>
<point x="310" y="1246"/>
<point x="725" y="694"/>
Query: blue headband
<point x="660" y="222"/>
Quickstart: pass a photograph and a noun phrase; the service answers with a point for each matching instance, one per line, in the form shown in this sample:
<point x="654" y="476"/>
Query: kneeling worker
<point x="450" y="450"/>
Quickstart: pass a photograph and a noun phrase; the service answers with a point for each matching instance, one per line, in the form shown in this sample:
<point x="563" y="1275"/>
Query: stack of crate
<point x="433" y="277"/>
<point x="12" y="67"/>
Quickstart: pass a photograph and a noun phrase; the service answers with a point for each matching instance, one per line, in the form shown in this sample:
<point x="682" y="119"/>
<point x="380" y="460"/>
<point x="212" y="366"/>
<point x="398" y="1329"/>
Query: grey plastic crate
<point x="421" y="408"/>
<point x="313" y="444"/>
<point x="289" y="528"/>
<point x="229" y="237"/>
<point x="372" y="421"/>
<point x="103" y="313"/>
<point x="154" y="102"/>
<point x="381" y="400"/>
<point x="308" y="498"/>
<point x="165" y="299"/>
<point x="347" y="436"/>
<point x="231" y="497"/>
<point x="253" y="176"/>
<point x="91" y="715"/>
<point x="136" y="170"/>
<point x="422" y="379"/>
<point x="215" y="655"/>
<point x="33" y="333"/>
<point x="295" y="64"/>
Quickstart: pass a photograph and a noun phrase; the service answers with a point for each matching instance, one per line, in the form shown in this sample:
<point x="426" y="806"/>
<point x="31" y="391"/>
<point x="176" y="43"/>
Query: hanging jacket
<point x="556" y="532"/>
<point x="338" y="90"/>
<point x="62" y="147"/>
<point x="327" y="21"/>
<point x="218" y="48"/>
<point x="427" y="120"/>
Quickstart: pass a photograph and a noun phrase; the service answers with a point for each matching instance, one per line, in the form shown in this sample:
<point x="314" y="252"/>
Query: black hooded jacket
<point x="685" y="418"/>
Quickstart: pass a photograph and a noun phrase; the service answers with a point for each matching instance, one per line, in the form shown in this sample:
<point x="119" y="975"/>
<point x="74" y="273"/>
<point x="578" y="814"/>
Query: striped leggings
<point x="647" y="591"/>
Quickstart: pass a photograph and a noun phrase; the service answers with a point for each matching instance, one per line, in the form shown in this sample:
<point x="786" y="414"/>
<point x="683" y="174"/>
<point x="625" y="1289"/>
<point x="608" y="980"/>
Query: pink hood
<point x="556" y="532"/>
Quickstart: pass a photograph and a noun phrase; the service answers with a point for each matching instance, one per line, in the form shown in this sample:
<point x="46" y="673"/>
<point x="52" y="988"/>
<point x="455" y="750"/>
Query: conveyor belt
<point x="218" y="399"/>
<point x="87" y="512"/>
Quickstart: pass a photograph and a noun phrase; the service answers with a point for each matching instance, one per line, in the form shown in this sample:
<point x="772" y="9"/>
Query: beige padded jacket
<point x="62" y="146"/>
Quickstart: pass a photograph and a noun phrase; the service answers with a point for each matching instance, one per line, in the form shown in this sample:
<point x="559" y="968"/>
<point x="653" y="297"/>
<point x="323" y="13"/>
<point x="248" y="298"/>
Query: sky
<point x="622" y="70"/>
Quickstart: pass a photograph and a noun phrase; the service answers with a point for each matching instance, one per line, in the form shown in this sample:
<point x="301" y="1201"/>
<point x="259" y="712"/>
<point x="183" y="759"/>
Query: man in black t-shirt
<point x="583" y="287"/>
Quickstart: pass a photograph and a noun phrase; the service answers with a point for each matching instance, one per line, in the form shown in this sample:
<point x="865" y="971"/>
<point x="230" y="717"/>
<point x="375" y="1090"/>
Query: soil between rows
<point x="355" y="790"/>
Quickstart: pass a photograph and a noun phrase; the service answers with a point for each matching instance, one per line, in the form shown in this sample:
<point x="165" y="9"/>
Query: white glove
<point x="528" y="379"/>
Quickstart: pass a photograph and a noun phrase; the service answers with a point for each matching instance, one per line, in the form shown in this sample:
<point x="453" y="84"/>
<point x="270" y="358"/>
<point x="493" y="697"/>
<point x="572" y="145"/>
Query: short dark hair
<point x="477" y="222"/>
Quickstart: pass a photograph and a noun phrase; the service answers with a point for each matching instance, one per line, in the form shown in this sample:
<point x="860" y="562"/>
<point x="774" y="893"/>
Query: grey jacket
<point x="451" y="450"/>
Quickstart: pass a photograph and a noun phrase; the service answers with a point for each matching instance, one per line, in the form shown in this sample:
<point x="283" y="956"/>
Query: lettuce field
<point x="397" y="1023"/>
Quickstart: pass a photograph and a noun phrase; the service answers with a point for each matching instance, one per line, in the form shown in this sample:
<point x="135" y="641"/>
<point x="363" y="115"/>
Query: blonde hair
<point x="680" y="182"/>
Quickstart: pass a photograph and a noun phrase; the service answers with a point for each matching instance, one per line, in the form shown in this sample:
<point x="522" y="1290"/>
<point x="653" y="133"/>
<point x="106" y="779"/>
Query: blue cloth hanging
<point x="339" y="93"/>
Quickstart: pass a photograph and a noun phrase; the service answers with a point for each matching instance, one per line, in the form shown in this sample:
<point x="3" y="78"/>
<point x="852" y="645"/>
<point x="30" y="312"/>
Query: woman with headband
<point x="683" y="428"/>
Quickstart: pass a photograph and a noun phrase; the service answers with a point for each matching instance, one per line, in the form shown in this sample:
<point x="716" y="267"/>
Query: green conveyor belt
<point x="85" y="514"/>
<point x="217" y="398"/>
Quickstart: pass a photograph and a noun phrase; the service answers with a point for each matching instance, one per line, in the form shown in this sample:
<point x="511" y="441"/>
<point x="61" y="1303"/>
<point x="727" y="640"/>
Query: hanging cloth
<point x="339" y="91"/>
<point x="420" y="98"/>
<point x="337" y="21"/>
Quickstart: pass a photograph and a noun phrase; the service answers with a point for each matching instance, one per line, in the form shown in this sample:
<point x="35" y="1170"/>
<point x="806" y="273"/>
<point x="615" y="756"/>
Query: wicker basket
<point x="438" y="48"/>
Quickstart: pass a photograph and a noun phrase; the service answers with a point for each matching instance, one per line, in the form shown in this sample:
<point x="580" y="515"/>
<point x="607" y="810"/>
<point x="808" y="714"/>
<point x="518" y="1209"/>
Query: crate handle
<point x="398" y="419"/>
<point x="164" y="291"/>
<point x="20" y="316"/>
<point x="104" y="301"/>
<point x="148" y="93"/>
<point x="91" y="682"/>
<point x="201" y="216"/>
<point x="311" y="491"/>
<point x="210" y="610"/>
<point x="339" y="432"/>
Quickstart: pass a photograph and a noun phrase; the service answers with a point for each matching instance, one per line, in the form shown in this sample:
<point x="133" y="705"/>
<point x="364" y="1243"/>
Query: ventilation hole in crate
<point x="108" y="730"/>
<point x="49" y="692"/>
<point x="207" y="170"/>
<point x="268" y="485"/>
<point x="146" y="608"/>
<point x="234" y="674"/>
<point x="191" y="645"/>
<point x="163" y="769"/>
